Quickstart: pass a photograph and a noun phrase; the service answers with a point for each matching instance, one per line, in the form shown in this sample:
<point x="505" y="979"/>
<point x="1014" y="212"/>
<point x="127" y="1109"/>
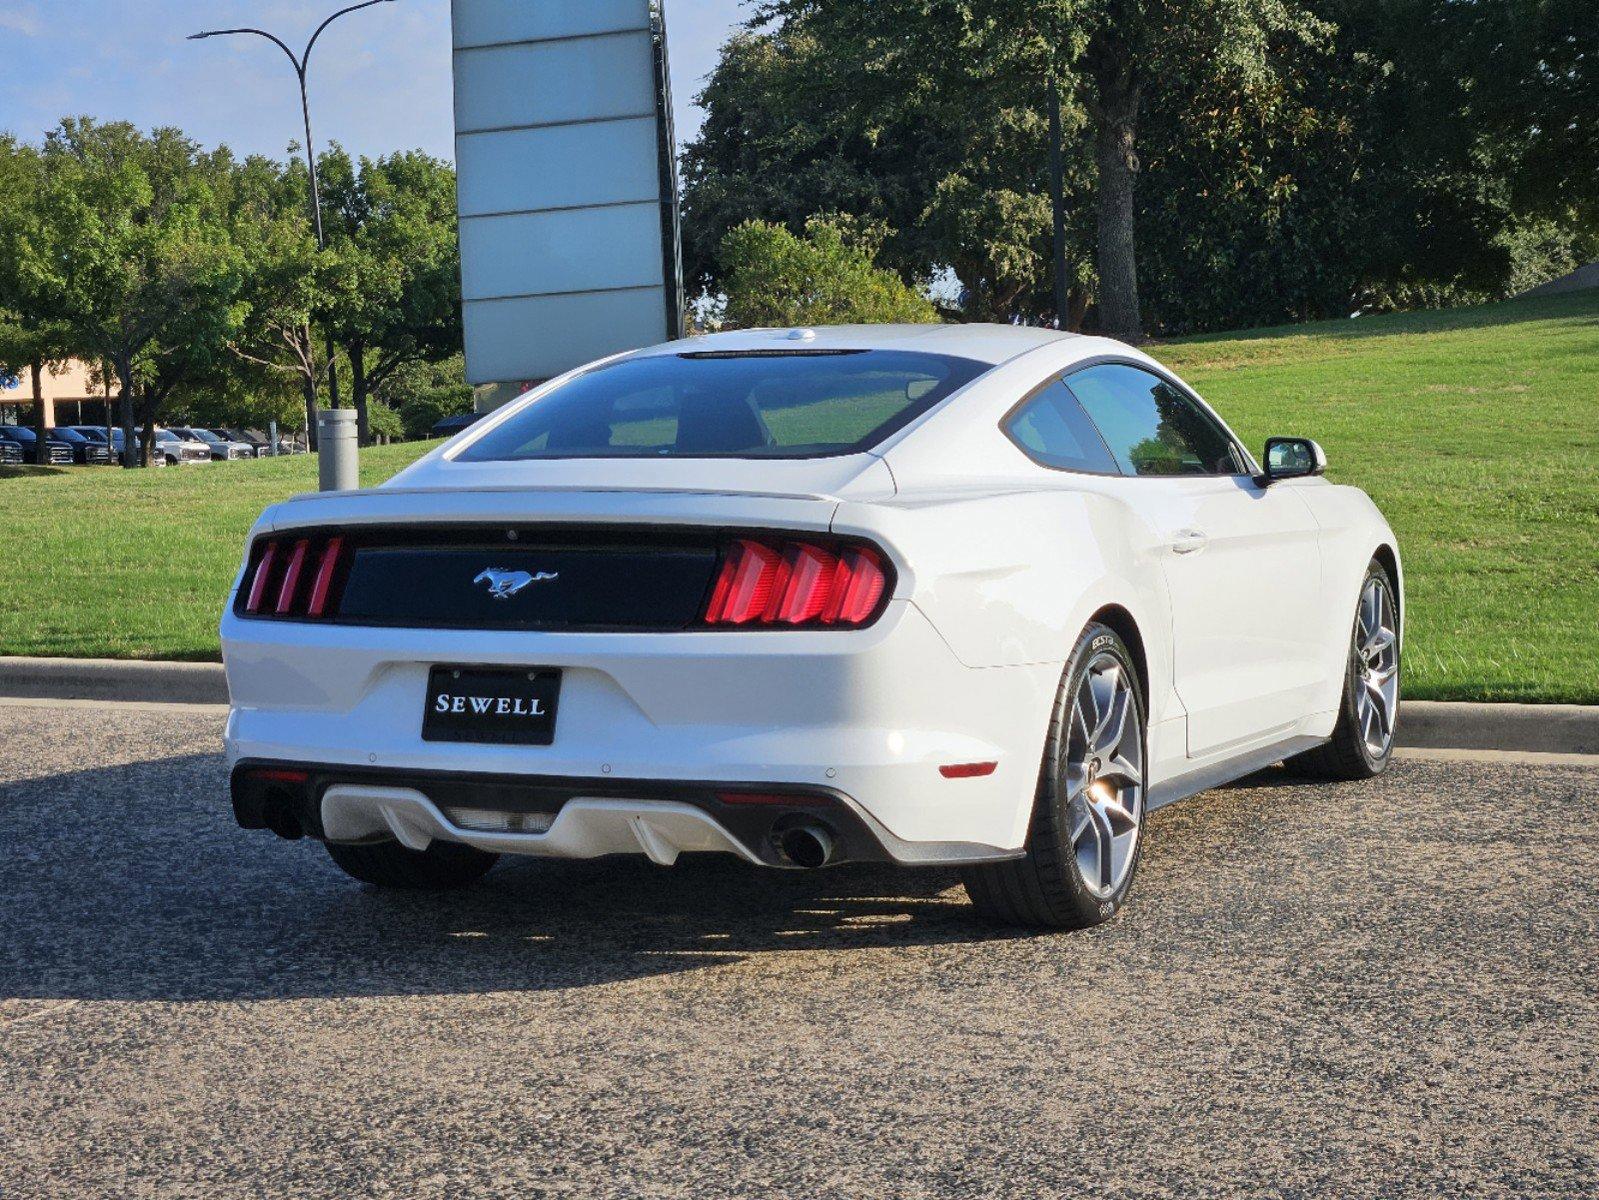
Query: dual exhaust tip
<point x="809" y="845"/>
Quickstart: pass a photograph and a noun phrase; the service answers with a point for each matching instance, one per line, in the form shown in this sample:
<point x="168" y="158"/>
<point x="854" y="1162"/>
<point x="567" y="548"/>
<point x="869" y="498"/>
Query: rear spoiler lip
<point x="567" y="507"/>
<point x="552" y="489"/>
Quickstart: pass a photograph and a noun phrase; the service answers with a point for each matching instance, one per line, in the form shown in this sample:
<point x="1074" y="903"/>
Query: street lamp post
<point x="301" y="62"/>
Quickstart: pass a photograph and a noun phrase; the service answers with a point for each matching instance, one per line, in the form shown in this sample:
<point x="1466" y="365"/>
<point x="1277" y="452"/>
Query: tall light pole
<point x="1057" y="203"/>
<point x="301" y="62"/>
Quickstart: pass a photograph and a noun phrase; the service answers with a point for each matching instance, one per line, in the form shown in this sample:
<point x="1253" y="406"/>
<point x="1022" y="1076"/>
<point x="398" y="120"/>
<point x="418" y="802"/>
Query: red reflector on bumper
<point x="280" y="775"/>
<point x="967" y="770"/>
<point x="771" y="798"/>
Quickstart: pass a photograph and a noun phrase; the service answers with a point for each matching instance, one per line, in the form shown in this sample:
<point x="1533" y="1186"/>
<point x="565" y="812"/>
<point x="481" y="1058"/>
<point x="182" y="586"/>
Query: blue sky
<point x="380" y="78"/>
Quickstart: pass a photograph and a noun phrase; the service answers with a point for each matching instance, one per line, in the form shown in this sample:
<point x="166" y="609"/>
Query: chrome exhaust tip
<point x="809" y="846"/>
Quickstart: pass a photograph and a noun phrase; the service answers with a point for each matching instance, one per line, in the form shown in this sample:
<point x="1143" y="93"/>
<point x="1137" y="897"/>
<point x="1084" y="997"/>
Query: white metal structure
<point x="1152" y="622"/>
<point x="566" y="195"/>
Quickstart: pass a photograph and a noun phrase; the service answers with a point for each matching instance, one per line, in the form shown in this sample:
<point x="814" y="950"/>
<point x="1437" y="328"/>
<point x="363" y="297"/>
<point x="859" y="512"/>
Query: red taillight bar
<point x="771" y="582"/>
<point x="291" y="577"/>
<point x="324" y="577"/>
<point x="285" y="581"/>
<point x="263" y="572"/>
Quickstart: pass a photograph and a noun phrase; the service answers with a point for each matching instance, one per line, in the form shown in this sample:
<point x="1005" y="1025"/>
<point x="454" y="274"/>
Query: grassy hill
<point x="1476" y="430"/>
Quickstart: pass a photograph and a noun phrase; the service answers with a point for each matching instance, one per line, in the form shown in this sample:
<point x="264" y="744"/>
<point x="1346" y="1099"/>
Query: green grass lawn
<point x="1477" y="433"/>
<point x="101" y="562"/>
<point x="1476" y="430"/>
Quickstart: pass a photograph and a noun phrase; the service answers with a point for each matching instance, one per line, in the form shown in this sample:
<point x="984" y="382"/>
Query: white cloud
<point x="21" y="18"/>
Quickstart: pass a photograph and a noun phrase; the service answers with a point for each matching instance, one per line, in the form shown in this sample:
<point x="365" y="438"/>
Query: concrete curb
<point x="113" y="679"/>
<point x="1540" y="728"/>
<point x="1424" y="724"/>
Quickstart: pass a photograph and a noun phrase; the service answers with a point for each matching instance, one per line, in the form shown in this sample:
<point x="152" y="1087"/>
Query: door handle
<point x="1187" y="541"/>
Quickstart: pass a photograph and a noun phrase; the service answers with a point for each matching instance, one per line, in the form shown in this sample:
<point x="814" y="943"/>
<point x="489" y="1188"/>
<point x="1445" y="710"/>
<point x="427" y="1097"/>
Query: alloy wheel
<point x="1376" y="668"/>
<point x="1104" y="775"/>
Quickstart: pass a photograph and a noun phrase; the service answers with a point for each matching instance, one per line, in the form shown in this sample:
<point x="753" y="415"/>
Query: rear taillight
<point x="294" y="577"/>
<point x="778" y="583"/>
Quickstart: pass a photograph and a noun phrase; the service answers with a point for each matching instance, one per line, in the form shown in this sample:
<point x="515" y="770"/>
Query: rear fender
<point x="1010" y="578"/>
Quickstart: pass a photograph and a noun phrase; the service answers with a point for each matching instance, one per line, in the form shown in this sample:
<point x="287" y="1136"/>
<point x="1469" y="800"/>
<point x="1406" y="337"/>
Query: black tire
<point x="442" y="866"/>
<point x="1346" y="756"/>
<point x="1045" y="889"/>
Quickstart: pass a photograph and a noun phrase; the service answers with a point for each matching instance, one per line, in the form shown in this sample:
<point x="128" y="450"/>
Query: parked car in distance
<point x="181" y="451"/>
<point x="97" y="433"/>
<point x="58" y="450"/>
<point x="245" y="437"/>
<point x="450" y="426"/>
<point x="972" y="596"/>
<point x="86" y="451"/>
<point x="222" y="449"/>
<point x="10" y="453"/>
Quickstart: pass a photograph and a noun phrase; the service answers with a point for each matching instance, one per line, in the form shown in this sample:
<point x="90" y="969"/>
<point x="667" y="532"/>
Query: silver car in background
<point x="221" y="449"/>
<point x="175" y="450"/>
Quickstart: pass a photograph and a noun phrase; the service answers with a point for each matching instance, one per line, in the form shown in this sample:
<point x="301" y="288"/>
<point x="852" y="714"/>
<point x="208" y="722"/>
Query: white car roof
<point x="991" y="344"/>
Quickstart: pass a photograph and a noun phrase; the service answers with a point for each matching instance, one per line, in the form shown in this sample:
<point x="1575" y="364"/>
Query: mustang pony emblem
<point x="504" y="584"/>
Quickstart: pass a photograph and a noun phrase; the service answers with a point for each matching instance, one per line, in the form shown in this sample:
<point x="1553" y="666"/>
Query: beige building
<point x="73" y="395"/>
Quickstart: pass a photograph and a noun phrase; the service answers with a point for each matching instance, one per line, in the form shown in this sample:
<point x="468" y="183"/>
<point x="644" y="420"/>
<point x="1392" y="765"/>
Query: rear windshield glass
<point x="781" y="404"/>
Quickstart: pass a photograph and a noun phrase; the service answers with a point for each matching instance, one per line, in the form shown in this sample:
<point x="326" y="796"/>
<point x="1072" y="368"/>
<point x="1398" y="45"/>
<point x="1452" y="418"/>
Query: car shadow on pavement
<point x="133" y="882"/>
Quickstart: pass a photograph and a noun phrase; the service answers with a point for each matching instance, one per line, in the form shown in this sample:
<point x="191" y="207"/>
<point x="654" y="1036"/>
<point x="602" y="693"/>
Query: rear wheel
<point x="1363" y="740"/>
<point x="1086" y="834"/>
<point x="443" y="865"/>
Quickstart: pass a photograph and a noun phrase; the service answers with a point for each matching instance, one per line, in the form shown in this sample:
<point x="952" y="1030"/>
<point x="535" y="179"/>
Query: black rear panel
<point x="520" y="578"/>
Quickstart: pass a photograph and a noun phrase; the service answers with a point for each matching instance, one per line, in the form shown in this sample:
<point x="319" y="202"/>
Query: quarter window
<point x="1150" y="426"/>
<point x="1052" y="429"/>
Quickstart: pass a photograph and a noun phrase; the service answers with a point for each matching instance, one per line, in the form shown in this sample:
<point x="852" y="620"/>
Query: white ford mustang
<point x="968" y="595"/>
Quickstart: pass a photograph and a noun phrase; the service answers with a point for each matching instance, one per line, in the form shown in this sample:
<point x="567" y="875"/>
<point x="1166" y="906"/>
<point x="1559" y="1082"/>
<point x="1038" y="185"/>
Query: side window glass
<point x="1150" y="426"/>
<point x="1052" y="429"/>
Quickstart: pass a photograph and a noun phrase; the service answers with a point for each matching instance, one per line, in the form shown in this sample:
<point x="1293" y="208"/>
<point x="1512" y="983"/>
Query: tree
<point x="424" y="393"/>
<point x="951" y="165"/>
<point x="131" y="259"/>
<point x="825" y="278"/>
<point x="286" y="281"/>
<point x="391" y="226"/>
<point x="29" y="340"/>
<point x="1108" y="58"/>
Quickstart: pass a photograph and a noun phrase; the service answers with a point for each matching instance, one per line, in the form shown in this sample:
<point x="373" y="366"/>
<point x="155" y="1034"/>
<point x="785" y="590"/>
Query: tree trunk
<point x="1116" y="110"/>
<point x="356" y="351"/>
<point x="125" y="377"/>
<point x="308" y="386"/>
<point x="41" y="448"/>
<point x="1077" y="300"/>
<point x="146" y="454"/>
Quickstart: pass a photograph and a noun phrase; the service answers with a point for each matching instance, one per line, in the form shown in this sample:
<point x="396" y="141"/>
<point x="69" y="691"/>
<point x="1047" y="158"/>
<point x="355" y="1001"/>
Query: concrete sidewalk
<point x="1424" y="724"/>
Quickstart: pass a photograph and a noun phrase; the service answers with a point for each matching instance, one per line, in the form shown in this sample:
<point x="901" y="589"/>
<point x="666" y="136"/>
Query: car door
<point x="1242" y="562"/>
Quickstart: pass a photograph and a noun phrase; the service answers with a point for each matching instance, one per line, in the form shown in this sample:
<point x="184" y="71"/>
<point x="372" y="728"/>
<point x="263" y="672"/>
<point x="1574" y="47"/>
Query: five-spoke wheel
<point x="1084" y="841"/>
<point x="1363" y="738"/>
<point x="1377" y="666"/>
<point x="1104" y="776"/>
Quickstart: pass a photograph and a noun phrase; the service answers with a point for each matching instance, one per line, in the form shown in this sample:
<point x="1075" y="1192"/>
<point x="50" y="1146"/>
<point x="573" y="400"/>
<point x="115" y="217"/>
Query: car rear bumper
<point x="655" y="720"/>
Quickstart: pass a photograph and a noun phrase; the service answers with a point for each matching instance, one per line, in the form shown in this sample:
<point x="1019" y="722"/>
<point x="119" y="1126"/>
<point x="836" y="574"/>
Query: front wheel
<point x="1088" y="815"/>
<point x="1363" y="740"/>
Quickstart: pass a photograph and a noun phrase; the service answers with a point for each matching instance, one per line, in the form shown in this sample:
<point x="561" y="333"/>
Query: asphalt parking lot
<point x="1358" y="991"/>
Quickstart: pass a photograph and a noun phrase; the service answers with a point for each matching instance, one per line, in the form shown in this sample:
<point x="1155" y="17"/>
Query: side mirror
<point x="1292" y="458"/>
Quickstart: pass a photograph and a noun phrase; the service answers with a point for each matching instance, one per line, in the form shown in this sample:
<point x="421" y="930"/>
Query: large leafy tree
<point x="961" y="87"/>
<point x="396" y="284"/>
<point x="285" y="285"/>
<point x="30" y="342"/>
<point x="132" y="258"/>
<point x="951" y="163"/>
